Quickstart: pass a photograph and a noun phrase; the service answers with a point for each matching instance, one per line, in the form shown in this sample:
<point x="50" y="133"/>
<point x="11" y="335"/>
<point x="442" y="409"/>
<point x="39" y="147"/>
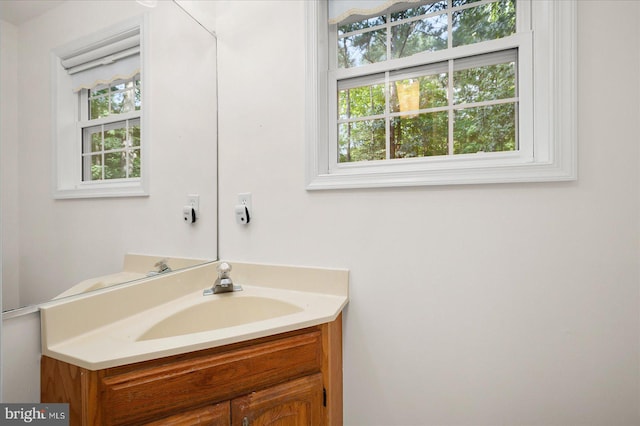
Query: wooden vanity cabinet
<point x="293" y="378"/>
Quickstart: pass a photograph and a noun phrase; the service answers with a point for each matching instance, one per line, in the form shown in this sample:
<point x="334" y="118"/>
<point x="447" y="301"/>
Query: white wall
<point x="9" y="217"/>
<point x="62" y="242"/>
<point x="477" y="305"/>
<point x="20" y="355"/>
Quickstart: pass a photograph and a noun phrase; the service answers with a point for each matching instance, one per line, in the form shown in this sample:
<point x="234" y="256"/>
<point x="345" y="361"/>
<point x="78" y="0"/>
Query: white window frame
<point x="547" y="110"/>
<point x="67" y="113"/>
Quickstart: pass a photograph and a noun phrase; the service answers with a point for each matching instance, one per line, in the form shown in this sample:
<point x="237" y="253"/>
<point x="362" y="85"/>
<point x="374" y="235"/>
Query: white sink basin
<point x="212" y="314"/>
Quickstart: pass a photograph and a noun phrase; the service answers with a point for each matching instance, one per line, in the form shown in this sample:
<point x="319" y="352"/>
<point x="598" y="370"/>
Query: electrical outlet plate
<point x="193" y="200"/>
<point x="245" y="199"/>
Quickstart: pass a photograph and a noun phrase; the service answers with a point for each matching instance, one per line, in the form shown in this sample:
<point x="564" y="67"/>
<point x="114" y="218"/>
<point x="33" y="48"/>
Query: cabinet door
<point x="213" y="415"/>
<point x="294" y="403"/>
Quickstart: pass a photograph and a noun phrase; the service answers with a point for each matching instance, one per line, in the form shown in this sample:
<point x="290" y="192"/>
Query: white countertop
<point x="107" y="328"/>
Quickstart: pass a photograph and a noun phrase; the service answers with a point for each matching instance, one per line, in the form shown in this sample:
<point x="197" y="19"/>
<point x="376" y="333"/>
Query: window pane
<point x="419" y="135"/>
<point x="133" y="164"/>
<point x="115" y="165"/>
<point x="118" y="103"/>
<point x="137" y="95"/>
<point x="115" y="138"/>
<point x="422" y="35"/>
<point x="361" y="101"/>
<point x="361" y="25"/>
<point x="96" y="142"/>
<point x="118" y="85"/>
<point x="434" y="7"/>
<point x="485" y="129"/>
<point x="128" y="103"/>
<point x="361" y="141"/>
<point x="412" y="94"/>
<point x="91" y="139"/>
<point x="99" y="90"/>
<point x="96" y="167"/>
<point x="98" y="107"/>
<point x="485" y="83"/>
<point x="486" y="22"/>
<point x="360" y="49"/>
<point x="463" y="2"/>
<point x="134" y="133"/>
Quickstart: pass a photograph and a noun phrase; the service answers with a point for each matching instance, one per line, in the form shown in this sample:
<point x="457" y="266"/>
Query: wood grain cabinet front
<point x="293" y="378"/>
<point x="214" y="415"/>
<point x="298" y="402"/>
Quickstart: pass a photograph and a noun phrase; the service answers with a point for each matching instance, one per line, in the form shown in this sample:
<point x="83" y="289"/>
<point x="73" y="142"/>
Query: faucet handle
<point x="223" y="270"/>
<point x="223" y="283"/>
<point x="162" y="265"/>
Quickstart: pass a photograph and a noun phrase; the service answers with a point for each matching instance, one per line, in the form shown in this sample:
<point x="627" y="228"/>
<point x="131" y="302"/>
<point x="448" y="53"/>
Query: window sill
<point x="399" y="178"/>
<point x="134" y="188"/>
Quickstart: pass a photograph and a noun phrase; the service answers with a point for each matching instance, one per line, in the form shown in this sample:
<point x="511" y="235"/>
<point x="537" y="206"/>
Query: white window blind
<point x="107" y="60"/>
<point x="347" y="11"/>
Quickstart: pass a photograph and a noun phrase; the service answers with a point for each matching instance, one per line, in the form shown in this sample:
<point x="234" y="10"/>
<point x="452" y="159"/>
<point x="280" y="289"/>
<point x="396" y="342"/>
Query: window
<point x="111" y="130"/>
<point x="440" y="92"/>
<point x="100" y="141"/>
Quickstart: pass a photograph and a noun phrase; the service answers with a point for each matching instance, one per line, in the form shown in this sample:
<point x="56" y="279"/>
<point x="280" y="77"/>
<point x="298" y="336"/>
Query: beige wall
<point x="9" y="215"/>
<point x="478" y="305"/>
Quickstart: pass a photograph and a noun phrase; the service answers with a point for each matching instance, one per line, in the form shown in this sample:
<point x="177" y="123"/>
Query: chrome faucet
<point x="223" y="283"/>
<point x="162" y="268"/>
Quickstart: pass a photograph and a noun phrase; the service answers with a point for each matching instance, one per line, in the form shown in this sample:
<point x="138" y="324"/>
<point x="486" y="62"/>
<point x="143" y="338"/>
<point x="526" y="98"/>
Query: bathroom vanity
<point x="295" y="375"/>
<point x="286" y="368"/>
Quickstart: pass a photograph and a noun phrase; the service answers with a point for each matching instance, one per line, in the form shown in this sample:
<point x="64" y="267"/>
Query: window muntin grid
<point x="118" y="97"/>
<point x="460" y="106"/>
<point x="111" y="151"/>
<point x="111" y="142"/>
<point x="466" y="104"/>
<point x="432" y="26"/>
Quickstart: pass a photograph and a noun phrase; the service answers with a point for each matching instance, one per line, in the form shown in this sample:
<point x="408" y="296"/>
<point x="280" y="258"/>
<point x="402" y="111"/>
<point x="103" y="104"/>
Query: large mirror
<point x="54" y="244"/>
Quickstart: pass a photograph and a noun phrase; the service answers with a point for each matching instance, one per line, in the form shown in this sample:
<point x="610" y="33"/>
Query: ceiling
<point x="19" y="11"/>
